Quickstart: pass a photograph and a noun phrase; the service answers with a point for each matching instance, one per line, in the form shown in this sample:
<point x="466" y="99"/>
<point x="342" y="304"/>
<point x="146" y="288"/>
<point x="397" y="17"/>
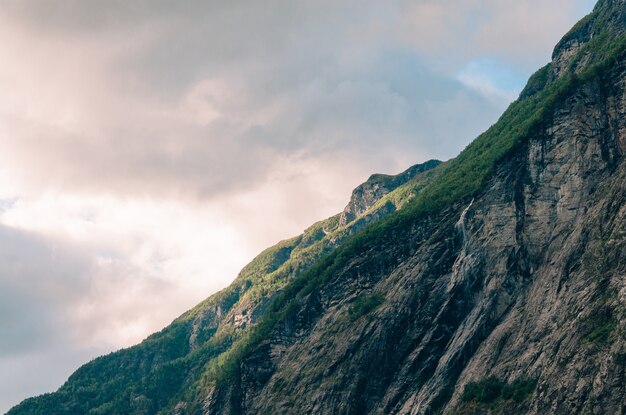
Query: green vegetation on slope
<point x="599" y="326"/>
<point x="491" y="395"/>
<point x="491" y="389"/>
<point x="364" y="305"/>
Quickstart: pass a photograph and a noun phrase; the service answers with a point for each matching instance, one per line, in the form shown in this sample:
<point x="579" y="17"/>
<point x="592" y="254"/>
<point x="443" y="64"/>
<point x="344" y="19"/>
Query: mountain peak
<point x="604" y="25"/>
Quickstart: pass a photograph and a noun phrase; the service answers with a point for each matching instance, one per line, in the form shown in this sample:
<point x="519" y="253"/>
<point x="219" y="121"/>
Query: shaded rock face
<point x="376" y="187"/>
<point x="526" y="281"/>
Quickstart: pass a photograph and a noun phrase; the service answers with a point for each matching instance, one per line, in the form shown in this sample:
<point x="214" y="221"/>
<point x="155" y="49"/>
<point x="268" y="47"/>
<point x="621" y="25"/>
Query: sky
<point x="150" y="148"/>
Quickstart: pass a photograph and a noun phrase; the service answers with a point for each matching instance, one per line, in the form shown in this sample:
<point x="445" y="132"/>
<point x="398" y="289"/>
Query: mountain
<point x="492" y="283"/>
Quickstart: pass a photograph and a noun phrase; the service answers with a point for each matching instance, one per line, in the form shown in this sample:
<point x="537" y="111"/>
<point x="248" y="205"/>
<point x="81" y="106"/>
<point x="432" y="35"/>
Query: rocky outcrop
<point x="608" y="20"/>
<point x="376" y="187"/>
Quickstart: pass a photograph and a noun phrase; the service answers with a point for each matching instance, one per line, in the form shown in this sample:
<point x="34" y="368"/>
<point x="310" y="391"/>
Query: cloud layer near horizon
<point x="149" y="149"/>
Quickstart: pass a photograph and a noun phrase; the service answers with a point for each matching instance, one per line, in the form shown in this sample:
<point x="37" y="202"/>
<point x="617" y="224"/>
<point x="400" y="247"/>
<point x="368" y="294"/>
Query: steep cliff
<point x="492" y="283"/>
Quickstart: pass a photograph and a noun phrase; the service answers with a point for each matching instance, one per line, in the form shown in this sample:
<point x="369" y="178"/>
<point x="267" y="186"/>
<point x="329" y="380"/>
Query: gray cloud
<point x="59" y="307"/>
<point x="36" y="280"/>
<point x="36" y="277"/>
<point x="207" y="96"/>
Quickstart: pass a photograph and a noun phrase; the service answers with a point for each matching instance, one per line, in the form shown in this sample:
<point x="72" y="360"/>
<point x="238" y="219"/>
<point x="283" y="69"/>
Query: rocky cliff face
<point x="497" y="286"/>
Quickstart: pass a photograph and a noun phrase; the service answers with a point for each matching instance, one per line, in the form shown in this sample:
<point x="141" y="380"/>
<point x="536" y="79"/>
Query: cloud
<point x="38" y="279"/>
<point x="492" y="79"/>
<point x="63" y="302"/>
<point x="149" y="149"/>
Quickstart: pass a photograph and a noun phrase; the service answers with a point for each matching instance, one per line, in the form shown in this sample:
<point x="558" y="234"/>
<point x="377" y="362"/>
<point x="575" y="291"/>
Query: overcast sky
<point x="149" y="149"/>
